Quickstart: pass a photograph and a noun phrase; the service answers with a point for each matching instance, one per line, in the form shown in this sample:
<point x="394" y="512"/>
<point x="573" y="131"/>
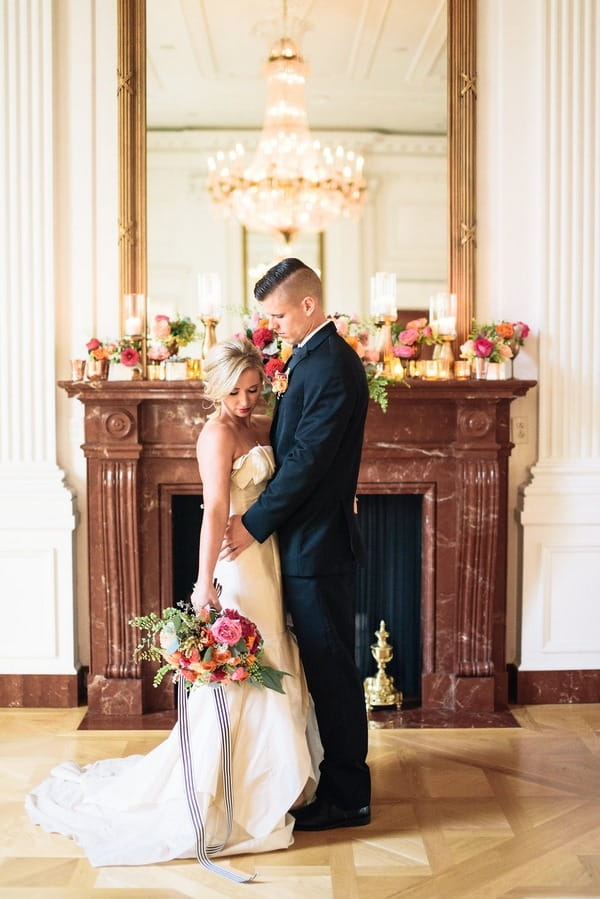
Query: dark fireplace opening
<point x="388" y="585"/>
<point x="186" y="520"/>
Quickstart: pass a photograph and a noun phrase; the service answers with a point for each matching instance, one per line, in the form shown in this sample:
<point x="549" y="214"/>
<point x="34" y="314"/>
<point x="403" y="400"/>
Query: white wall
<point x="537" y="261"/>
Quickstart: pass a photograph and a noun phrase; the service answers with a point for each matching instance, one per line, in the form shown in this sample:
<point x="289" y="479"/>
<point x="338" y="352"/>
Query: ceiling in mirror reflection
<point x="373" y="64"/>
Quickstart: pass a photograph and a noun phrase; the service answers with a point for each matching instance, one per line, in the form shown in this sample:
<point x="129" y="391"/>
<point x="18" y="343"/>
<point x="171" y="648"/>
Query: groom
<point x="317" y="436"/>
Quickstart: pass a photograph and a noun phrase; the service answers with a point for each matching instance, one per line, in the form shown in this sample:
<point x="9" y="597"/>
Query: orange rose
<point x="208" y="666"/>
<point x="505" y="330"/>
<point x="221" y="655"/>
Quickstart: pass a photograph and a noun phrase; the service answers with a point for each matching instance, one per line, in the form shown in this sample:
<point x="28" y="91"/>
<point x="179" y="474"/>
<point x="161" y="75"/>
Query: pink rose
<point x="161" y="328"/>
<point x="226" y="630"/>
<point x="408" y="336"/>
<point x="522" y="330"/>
<point x="403" y="352"/>
<point x="239" y="674"/>
<point x="93" y="344"/>
<point x="483" y="347"/>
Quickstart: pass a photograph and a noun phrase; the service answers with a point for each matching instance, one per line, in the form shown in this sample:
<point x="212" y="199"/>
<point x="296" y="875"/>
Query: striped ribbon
<point x="202" y="850"/>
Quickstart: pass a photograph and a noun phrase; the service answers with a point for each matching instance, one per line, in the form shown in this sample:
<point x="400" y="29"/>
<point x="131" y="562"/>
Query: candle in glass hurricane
<point x="462" y="369"/>
<point x="134" y="309"/>
<point x="384" y="309"/>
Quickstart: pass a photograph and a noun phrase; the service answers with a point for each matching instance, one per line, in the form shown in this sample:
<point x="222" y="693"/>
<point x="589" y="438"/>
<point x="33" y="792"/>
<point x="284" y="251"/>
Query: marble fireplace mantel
<point x="446" y="440"/>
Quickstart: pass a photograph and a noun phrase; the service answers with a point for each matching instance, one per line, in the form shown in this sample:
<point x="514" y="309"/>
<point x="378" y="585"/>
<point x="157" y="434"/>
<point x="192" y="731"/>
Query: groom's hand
<point x="235" y="540"/>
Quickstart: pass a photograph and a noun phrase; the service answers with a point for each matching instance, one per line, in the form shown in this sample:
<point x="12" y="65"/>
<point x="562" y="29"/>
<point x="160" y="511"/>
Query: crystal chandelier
<point x="291" y="185"/>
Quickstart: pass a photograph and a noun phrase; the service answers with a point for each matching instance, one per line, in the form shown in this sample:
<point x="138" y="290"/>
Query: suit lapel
<point x="311" y="344"/>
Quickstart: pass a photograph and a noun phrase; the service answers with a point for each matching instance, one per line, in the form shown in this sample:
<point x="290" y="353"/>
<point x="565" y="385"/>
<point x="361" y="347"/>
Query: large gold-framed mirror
<point x="461" y="63"/>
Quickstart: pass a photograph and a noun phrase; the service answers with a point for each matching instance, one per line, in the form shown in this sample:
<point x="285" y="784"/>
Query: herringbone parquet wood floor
<point x="507" y="813"/>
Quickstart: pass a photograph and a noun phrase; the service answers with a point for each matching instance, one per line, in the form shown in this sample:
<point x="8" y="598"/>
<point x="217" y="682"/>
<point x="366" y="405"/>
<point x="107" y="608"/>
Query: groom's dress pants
<point x="322" y="610"/>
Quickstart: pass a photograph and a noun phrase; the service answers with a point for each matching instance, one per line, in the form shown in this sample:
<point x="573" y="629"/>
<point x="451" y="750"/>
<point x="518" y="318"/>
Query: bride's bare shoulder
<point x="263" y="426"/>
<point x="215" y="437"/>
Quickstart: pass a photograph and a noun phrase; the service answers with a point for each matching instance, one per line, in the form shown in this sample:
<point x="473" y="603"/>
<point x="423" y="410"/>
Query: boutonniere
<point x="279" y="383"/>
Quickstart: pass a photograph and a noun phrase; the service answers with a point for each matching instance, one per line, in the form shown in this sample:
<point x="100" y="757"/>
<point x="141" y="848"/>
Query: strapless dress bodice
<point x="250" y="473"/>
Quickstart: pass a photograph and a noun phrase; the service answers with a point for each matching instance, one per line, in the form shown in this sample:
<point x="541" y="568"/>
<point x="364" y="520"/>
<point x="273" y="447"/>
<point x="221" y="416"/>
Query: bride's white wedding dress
<point x="133" y="811"/>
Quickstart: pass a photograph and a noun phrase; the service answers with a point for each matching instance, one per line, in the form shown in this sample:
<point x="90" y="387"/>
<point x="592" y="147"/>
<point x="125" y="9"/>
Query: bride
<point x="133" y="811"/>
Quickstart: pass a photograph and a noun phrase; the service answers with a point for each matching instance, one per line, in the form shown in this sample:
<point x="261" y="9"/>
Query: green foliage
<point x="272" y="678"/>
<point x="183" y="330"/>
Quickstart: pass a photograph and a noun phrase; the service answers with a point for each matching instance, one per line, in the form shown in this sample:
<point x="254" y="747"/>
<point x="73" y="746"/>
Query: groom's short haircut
<point x="305" y="279"/>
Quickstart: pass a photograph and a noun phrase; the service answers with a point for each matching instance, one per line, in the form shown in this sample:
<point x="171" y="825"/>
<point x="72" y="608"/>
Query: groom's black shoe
<point x="323" y="815"/>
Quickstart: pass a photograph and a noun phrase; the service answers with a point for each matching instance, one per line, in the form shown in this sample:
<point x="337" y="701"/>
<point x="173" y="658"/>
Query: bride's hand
<point x="206" y="597"/>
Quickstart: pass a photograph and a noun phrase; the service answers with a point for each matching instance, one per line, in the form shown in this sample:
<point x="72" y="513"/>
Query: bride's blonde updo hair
<point x="225" y="362"/>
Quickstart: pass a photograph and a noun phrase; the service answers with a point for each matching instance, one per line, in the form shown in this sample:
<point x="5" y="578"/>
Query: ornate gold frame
<point x="461" y="151"/>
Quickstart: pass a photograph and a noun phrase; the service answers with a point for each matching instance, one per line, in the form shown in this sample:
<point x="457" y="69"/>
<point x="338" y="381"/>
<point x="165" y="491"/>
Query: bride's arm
<point x="214" y="450"/>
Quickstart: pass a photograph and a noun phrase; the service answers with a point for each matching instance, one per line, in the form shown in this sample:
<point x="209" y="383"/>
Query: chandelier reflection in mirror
<point x="292" y="185"/>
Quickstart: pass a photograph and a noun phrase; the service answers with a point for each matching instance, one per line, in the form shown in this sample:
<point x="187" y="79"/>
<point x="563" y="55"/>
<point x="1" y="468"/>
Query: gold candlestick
<point x="380" y="690"/>
<point x="210" y="333"/>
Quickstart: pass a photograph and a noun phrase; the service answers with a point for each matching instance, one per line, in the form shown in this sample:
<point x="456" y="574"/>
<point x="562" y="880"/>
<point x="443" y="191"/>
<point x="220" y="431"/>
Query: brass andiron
<point x="380" y="690"/>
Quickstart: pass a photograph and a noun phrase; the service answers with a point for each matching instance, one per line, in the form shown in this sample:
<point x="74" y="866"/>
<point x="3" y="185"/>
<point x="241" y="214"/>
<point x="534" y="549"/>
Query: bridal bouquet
<point x="208" y="648"/>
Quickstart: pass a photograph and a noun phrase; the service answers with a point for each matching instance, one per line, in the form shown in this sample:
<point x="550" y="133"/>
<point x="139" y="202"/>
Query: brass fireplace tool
<point x="380" y="690"/>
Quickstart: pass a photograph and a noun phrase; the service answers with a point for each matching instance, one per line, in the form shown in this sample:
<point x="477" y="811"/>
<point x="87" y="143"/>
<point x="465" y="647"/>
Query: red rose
<point x="273" y="367"/>
<point x="262" y="337"/>
<point x="93" y="344"/>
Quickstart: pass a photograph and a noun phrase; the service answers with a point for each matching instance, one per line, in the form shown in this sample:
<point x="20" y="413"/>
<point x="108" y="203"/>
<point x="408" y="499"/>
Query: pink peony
<point x="227" y="630"/>
<point x="130" y="356"/>
<point x="158" y="353"/>
<point x="483" y="347"/>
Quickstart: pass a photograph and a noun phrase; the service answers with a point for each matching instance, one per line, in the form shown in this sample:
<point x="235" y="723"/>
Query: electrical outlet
<point x="520" y="433"/>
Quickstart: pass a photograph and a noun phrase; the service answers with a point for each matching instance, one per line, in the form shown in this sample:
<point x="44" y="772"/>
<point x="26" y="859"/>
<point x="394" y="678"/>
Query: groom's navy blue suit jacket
<point x="317" y="437"/>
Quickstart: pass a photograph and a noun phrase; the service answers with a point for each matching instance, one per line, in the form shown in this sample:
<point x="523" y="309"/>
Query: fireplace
<point x="445" y="442"/>
<point x="388" y="584"/>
